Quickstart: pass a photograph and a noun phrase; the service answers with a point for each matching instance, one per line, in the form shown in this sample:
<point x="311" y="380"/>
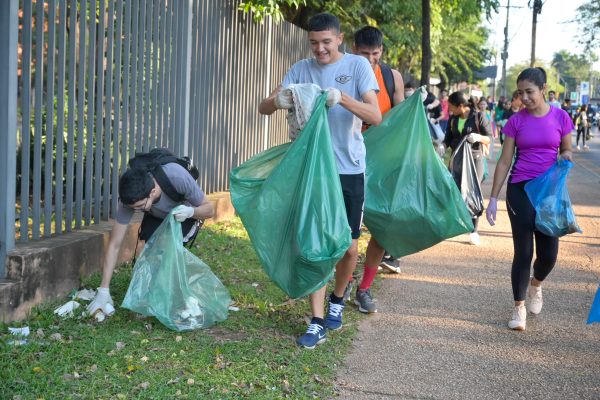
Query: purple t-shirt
<point x="537" y="140"/>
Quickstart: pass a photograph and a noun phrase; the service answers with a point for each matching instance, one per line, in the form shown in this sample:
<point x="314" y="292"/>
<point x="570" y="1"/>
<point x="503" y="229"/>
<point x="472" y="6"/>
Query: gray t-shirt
<point x="354" y="76"/>
<point x="183" y="183"/>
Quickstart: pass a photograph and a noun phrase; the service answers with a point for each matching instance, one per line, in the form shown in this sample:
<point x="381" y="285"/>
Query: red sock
<point x="368" y="277"/>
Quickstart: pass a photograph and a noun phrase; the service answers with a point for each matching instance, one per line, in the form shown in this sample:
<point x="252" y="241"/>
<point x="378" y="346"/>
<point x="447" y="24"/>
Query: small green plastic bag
<point x="411" y="200"/>
<point x="173" y="285"/>
<point x="290" y="201"/>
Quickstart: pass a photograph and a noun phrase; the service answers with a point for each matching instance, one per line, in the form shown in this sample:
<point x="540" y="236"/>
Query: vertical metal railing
<point x="100" y="80"/>
<point x="8" y="124"/>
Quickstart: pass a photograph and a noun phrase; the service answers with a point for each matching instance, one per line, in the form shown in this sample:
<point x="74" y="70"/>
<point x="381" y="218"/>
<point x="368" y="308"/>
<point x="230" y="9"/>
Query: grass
<point x="250" y="355"/>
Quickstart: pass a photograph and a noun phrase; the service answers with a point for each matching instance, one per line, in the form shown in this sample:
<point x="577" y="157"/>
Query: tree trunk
<point x="426" y="42"/>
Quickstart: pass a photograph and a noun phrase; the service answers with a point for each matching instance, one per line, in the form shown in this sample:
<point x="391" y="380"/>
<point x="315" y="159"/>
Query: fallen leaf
<point x="144" y="341"/>
<point x="173" y="381"/>
<point x="144" y="359"/>
<point x="120" y="345"/>
<point x="93" y="368"/>
<point x="40" y="333"/>
<point x="178" y="338"/>
<point x="56" y="336"/>
<point x="178" y="393"/>
<point x="121" y="396"/>
<point x="144" y="385"/>
<point x="317" y="378"/>
<point x="136" y="332"/>
<point x="37" y="369"/>
<point x="190" y="381"/>
<point x="110" y="353"/>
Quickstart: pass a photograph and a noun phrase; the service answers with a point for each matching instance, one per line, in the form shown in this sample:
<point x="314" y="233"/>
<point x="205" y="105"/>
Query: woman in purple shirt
<point x="535" y="136"/>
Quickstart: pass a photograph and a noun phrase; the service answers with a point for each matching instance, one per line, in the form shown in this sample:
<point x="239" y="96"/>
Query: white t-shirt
<point x="354" y="76"/>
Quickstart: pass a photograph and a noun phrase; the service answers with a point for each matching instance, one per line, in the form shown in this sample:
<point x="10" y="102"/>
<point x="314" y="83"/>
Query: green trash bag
<point x="173" y="285"/>
<point x="411" y="200"/>
<point x="290" y="200"/>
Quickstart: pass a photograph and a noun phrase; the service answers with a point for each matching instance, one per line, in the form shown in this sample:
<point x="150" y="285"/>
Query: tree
<point x="425" y="41"/>
<point x="588" y="15"/>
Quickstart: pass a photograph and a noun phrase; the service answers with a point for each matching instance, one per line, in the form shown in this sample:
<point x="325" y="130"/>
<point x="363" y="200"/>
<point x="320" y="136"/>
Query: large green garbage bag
<point x="290" y="201"/>
<point x="411" y="200"/>
<point x="175" y="286"/>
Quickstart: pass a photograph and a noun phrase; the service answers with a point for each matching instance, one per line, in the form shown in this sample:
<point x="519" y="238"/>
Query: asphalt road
<point x="441" y="328"/>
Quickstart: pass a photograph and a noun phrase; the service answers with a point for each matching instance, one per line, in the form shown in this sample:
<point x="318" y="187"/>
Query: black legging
<point x="581" y="131"/>
<point x="478" y="158"/>
<point x="522" y="222"/>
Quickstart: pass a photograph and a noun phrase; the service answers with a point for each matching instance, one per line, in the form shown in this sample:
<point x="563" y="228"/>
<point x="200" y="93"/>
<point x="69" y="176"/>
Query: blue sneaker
<point x="333" y="320"/>
<point x="315" y="334"/>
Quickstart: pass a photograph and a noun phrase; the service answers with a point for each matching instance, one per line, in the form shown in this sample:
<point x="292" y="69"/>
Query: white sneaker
<point x="519" y="317"/>
<point x="578" y="148"/>
<point x="586" y="147"/>
<point x="474" y="238"/>
<point x="534" y="299"/>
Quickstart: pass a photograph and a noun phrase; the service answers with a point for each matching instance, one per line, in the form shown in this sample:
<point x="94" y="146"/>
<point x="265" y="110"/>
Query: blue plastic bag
<point x="549" y="196"/>
<point x="595" y="309"/>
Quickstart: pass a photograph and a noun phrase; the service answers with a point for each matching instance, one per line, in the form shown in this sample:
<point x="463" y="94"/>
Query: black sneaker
<point x="391" y="264"/>
<point x="365" y="302"/>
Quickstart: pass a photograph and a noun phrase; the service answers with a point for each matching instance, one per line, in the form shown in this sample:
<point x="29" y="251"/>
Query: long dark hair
<point x="461" y="99"/>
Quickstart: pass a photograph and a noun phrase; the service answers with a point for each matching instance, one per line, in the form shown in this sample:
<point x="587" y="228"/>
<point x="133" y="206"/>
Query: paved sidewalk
<point x="441" y="328"/>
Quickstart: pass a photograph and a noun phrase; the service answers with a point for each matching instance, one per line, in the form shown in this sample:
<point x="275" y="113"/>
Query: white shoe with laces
<point x="534" y="299"/>
<point x="519" y="318"/>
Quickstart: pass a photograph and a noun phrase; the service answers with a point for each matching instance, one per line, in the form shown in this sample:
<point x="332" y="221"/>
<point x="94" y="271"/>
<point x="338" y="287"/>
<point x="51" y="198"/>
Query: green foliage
<point x="250" y="355"/>
<point x="261" y="9"/>
<point x="573" y="68"/>
<point x="458" y="40"/>
<point x="588" y="16"/>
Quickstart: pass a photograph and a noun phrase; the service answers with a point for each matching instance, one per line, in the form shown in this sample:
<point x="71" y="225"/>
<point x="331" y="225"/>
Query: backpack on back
<point x="388" y="81"/>
<point x="152" y="161"/>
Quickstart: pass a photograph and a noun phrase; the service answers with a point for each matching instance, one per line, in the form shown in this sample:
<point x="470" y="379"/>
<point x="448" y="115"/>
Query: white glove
<point x="102" y="302"/>
<point x="423" y="93"/>
<point x="474" y="138"/>
<point x="333" y="97"/>
<point x="284" y="99"/>
<point x="181" y="213"/>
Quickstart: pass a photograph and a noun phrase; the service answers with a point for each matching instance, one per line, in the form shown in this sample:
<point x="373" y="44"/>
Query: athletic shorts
<point x="353" y="188"/>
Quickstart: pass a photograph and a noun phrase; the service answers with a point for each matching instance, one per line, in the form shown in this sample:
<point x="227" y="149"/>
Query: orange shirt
<point x="383" y="98"/>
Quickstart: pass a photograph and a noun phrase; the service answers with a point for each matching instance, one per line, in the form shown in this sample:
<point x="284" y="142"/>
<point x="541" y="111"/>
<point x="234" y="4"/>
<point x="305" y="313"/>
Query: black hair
<point x="536" y="75"/>
<point x="369" y="37"/>
<point x="410" y="84"/>
<point x="552" y="91"/>
<point x="323" y="22"/>
<point x="516" y="94"/>
<point x="134" y="185"/>
<point x="461" y="99"/>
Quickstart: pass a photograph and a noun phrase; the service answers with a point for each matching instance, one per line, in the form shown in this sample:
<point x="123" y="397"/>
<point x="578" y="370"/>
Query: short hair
<point x="552" y="92"/>
<point x="536" y="75"/>
<point x="515" y="94"/>
<point x="324" y="22"/>
<point x="369" y="37"/>
<point x="134" y="185"/>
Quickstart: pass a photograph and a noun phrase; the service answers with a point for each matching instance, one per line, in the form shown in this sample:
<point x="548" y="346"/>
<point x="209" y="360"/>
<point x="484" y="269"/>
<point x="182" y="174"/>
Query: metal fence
<point x="99" y="80"/>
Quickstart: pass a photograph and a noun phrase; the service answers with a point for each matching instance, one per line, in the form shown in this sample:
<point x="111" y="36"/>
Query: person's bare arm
<point x="367" y="110"/>
<point x="503" y="166"/>
<point x="565" y="147"/>
<point x="204" y="210"/>
<point x="117" y="235"/>
<point x="267" y="105"/>
<point x="399" y="87"/>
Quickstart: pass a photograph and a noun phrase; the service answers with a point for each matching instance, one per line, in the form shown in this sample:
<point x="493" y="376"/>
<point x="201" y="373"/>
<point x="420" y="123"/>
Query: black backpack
<point x="388" y="81"/>
<point x="152" y="161"/>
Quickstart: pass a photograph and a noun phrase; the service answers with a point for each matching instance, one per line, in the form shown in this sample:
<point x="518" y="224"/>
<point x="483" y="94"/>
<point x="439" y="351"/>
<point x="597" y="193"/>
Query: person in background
<point x="467" y="121"/>
<point x="582" y="122"/>
<point x="368" y="42"/>
<point x="538" y="134"/>
<point x="445" y="114"/>
<point x="552" y="100"/>
<point x="511" y="108"/>
<point x="352" y="99"/>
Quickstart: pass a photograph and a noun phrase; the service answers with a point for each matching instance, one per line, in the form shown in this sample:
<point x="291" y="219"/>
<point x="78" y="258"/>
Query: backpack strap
<point x="388" y="81"/>
<point x="165" y="184"/>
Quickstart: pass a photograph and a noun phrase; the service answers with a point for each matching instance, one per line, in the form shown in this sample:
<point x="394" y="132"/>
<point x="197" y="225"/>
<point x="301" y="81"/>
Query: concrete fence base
<point x="50" y="268"/>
